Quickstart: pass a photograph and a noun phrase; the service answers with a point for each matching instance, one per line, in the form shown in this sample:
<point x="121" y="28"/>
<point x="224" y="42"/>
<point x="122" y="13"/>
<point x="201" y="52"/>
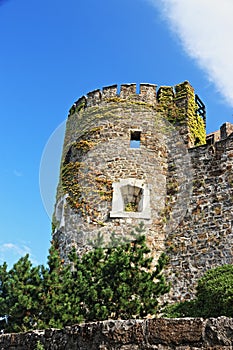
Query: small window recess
<point x="131" y="199"/>
<point x="135" y="138"/>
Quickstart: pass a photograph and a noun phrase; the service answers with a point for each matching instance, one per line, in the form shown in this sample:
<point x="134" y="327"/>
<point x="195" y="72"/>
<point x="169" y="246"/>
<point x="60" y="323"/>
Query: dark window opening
<point x="197" y="141"/>
<point x="135" y="139"/>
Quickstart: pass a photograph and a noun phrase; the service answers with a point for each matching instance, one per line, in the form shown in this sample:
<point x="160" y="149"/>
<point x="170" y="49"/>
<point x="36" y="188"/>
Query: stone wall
<point x="204" y="237"/>
<point x="189" y="190"/>
<point x="97" y="155"/>
<point x="157" y="334"/>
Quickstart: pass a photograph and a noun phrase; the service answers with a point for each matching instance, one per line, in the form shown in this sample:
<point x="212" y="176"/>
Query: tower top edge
<point x="147" y="94"/>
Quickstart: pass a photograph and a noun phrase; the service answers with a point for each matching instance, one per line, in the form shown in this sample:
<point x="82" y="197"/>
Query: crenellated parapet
<point x="147" y="94"/>
<point x="177" y="104"/>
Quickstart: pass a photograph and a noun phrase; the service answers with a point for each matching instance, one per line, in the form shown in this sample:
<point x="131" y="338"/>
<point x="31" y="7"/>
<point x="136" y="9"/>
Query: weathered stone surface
<point x="219" y="331"/>
<point x="175" y="331"/>
<point x="204" y="238"/>
<point x="157" y="334"/>
<point x="189" y="190"/>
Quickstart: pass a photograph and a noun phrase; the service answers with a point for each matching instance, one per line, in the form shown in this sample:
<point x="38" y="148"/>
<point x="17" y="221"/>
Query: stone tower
<point x="126" y="161"/>
<point x="132" y="157"/>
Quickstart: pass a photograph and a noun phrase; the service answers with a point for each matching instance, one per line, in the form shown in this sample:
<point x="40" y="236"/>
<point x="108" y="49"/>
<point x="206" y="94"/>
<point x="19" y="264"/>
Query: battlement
<point x="147" y="94"/>
<point x="224" y="132"/>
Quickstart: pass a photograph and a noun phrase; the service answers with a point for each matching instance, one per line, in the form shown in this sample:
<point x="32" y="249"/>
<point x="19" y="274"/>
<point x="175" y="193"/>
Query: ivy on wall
<point x="86" y="189"/>
<point x="180" y="109"/>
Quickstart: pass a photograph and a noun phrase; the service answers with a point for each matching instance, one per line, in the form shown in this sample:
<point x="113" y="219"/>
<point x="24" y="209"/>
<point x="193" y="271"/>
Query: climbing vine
<point x="196" y="124"/>
<point x="86" y="190"/>
<point x="181" y="108"/>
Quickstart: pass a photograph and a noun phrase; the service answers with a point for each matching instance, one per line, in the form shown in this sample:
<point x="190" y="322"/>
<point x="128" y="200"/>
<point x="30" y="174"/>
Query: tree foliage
<point x="113" y="282"/>
<point x="214" y="296"/>
<point x="19" y="290"/>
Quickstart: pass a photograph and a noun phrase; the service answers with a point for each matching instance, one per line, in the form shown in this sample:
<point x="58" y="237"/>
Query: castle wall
<point x="204" y="238"/>
<point x="160" y="334"/>
<point x="183" y="194"/>
<point x="98" y="158"/>
<point x="97" y="155"/>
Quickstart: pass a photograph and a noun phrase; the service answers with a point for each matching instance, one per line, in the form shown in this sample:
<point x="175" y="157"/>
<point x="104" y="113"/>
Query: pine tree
<point x="19" y="295"/>
<point x="57" y="302"/>
<point x="108" y="282"/>
<point x="119" y="281"/>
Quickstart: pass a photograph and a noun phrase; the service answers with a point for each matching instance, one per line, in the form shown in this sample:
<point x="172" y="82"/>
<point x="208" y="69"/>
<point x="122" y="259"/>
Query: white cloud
<point x="15" y="249"/>
<point x="11" y="253"/>
<point x="205" y="29"/>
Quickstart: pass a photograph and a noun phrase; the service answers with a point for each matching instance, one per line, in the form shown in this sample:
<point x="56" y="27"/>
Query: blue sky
<point x="53" y="52"/>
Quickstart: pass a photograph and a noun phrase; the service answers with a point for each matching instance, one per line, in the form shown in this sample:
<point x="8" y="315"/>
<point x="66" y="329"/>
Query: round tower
<point x="125" y="162"/>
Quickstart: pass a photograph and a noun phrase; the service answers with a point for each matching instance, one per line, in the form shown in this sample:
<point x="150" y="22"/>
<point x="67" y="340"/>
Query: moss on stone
<point x="181" y="109"/>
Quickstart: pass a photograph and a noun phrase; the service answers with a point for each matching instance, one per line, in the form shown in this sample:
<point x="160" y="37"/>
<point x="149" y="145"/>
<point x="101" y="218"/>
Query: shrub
<point x="214" y="296"/>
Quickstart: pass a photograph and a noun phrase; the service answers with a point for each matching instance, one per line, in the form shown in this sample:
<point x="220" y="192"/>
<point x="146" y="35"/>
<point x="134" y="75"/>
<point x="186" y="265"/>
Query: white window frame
<point x="118" y="205"/>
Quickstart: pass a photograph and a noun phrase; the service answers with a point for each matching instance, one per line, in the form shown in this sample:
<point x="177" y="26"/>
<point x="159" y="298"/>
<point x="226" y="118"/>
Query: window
<point x="131" y="198"/>
<point x="135" y="138"/>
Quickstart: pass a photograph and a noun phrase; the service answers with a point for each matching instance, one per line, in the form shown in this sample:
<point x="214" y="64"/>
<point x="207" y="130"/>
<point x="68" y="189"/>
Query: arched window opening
<point x="132" y="198"/>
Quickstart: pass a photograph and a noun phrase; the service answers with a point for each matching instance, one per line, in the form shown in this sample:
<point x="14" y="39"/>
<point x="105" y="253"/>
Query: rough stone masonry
<point x="157" y="334"/>
<point x="132" y="157"/>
